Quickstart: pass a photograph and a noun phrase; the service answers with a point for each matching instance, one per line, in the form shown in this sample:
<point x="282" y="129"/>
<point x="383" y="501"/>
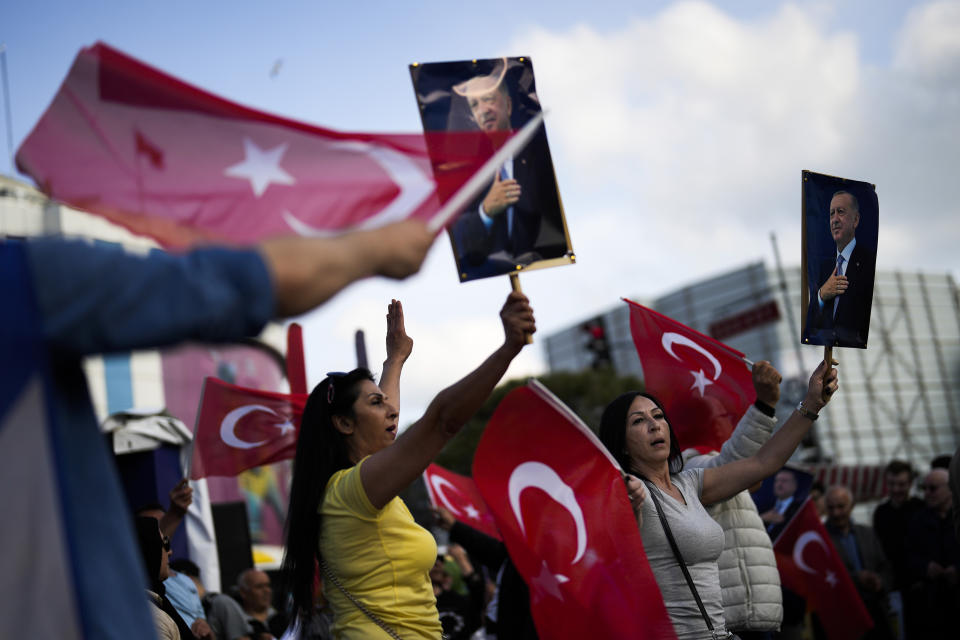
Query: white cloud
<point x="929" y="44"/>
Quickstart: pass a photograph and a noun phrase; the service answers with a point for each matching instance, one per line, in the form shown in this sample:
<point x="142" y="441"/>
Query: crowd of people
<point x="358" y="566"/>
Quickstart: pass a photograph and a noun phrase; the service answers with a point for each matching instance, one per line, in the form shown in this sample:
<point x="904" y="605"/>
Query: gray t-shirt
<point x="700" y="540"/>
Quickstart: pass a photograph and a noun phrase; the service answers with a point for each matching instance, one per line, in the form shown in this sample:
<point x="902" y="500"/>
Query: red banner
<point x="459" y="495"/>
<point x="703" y="384"/>
<point x="172" y="161"/>
<point x="562" y="508"/>
<point x="239" y="428"/>
<point x="811" y="567"/>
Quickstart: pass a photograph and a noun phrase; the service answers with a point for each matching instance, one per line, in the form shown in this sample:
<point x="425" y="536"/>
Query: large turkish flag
<point x="811" y="567"/>
<point x="172" y="161"/>
<point x="702" y="383"/>
<point x="240" y="428"/>
<point x="459" y="495"/>
<point x="561" y="505"/>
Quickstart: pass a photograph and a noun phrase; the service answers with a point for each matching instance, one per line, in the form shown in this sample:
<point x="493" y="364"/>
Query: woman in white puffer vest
<point x="749" y="580"/>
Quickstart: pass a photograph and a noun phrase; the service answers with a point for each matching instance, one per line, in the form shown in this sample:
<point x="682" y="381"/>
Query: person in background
<point x="863" y="558"/>
<point x="933" y="560"/>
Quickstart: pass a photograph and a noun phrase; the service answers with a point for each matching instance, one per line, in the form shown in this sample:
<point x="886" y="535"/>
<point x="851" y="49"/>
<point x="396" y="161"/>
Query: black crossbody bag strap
<point x="676" y="552"/>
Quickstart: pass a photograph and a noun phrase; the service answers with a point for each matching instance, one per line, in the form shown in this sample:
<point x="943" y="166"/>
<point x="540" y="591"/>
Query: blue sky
<point x="678" y="129"/>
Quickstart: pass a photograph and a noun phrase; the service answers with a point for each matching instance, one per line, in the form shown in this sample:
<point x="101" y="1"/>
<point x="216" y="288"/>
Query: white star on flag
<point x="547" y="583"/>
<point x="472" y="512"/>
<point x="260" y="167"/>
<point x="700" y="381"/>
<point x="831" y="578"/>
<point x="286" y="428"/>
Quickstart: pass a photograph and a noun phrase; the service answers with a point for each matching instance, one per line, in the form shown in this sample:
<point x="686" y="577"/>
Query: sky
<point x="678" y="132"/>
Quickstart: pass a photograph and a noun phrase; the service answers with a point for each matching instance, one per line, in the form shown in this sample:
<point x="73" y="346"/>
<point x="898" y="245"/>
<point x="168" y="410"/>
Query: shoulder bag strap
<point x="676" y="552"/>
<point x="375" y="618"/>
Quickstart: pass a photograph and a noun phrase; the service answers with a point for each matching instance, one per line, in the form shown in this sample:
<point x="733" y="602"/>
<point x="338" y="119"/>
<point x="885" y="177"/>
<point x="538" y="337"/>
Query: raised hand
<point x="766" y="382"/>
<point x="399" y="344"/>
<point x="181" y="496"/>
<point x="518" y="320"/>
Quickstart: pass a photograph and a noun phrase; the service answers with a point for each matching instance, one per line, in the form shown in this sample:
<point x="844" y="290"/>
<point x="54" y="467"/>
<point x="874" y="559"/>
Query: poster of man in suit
<point x="517" y="222"/>
<point x="840" y="228"/>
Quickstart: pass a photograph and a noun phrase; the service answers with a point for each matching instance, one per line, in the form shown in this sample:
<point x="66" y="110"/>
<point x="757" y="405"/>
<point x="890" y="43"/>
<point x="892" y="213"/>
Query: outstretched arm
<point x="399" y="348"/>
<point x="388" y="472"/>
<point x="306" y="272"/>
<point x="720" y="483"/>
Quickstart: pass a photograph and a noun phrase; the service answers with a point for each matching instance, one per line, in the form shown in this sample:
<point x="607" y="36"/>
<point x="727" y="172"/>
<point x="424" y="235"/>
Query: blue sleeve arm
<point x="99" y="299"/>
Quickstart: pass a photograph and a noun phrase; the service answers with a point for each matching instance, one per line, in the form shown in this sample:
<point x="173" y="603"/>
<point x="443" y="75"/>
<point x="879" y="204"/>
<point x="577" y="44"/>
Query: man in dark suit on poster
<point x="840" y="304"/>
<point x="518" y="220"/>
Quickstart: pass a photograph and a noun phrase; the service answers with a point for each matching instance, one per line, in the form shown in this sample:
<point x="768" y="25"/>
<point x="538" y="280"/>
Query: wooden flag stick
<point x="515" y="285"/>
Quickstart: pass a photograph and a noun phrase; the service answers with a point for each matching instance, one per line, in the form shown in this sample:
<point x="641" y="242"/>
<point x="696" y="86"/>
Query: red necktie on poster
<point x="459" y="495"/>
<point x="240" y="428"/>
<point x="812" y="568"/>
<point x="172" y="161"/>
<point x="562" y="509"/>
<point x="703" y="384"/>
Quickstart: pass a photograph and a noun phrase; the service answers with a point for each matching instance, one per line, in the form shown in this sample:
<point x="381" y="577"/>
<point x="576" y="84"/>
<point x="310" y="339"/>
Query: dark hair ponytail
<point x="321" y="452"/>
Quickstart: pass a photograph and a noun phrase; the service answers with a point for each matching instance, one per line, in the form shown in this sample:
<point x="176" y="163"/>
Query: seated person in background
<point x="225" y="616"/>
<point x="256" y="595"/>
<point x="460" y="615"/>
<point x="508" y="614"/>
<point x="154" y="551"/>
<point x="784" y="490"/>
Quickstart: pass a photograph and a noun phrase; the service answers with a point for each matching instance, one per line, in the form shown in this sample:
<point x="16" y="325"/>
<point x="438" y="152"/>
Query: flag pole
<point x="515" y="285"/>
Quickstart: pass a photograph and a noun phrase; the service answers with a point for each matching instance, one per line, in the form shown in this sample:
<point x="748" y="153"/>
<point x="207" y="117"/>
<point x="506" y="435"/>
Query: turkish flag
<point x="240" y="428"/>
<point x="172" y="161"/>
<point x="702" y="383"/>
<point x="459" y="495"/>
<point x="811" y="567"/>
<point x="561" y="506"/>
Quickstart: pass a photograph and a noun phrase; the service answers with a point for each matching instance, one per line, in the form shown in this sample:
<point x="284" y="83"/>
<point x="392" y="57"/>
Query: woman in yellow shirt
<point x="349" y="469"/>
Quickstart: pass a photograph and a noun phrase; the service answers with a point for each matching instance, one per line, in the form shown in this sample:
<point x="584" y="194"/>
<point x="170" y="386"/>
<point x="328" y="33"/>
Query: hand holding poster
<point x="517" y="221"/>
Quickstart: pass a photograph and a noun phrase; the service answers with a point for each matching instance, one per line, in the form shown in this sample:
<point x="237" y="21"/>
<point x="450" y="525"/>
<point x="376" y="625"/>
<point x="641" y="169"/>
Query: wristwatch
<point x="806" y="413"/>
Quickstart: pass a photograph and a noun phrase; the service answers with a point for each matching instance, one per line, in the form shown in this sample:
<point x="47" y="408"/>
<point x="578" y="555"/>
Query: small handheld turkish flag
<point x="240" y="428"/>
<point x="702" y="383"/>
<point x="561" y="505"/>
<point x="459" y="495"/>
<point x="812" y="568"/>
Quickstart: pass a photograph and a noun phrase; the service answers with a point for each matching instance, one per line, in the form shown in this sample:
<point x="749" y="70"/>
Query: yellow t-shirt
<point x="383" y="558"/>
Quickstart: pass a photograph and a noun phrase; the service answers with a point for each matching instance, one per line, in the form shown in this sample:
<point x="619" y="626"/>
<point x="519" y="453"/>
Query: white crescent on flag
<point x="229" y="436"/>
<point x="438" y="485"/>
<point x="415" y="187"/>
<point x="541" y="476"/>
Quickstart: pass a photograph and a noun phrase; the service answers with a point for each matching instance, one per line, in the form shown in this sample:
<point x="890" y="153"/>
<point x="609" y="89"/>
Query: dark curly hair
<point x="613" y="431"/>
<point x="321" y="452"/>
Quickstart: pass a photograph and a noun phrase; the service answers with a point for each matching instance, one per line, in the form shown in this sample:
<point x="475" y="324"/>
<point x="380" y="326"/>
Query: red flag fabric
<point x="811" y="567"/>
<point x="561" y="505"/>
<point x="240" y="428"/>
<point x="459" y="495"/>
<point x="169" y="160"/>
<point x="703" y="384"/>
